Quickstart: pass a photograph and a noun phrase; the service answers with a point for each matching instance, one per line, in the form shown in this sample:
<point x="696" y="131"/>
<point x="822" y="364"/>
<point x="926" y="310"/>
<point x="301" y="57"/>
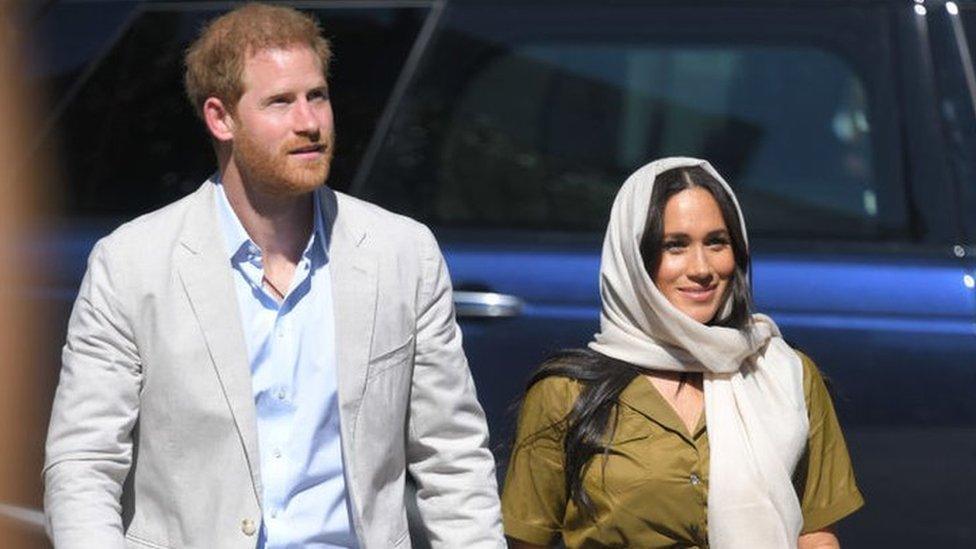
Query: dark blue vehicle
<point x="847" y="128"/>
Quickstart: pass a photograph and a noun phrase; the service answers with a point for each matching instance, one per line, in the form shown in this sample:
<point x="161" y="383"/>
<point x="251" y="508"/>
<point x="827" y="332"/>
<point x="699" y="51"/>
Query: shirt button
<point x="274" y="513"/>
<point x="280" y="395"/>
<point x="276" y="452"/>
<point x="247" y="526"/>
<point x="281" y="334"/>
<point x="695" y="480"/>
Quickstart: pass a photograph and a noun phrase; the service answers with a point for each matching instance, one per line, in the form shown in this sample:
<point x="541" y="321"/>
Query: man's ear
<point x="218" y="119"/>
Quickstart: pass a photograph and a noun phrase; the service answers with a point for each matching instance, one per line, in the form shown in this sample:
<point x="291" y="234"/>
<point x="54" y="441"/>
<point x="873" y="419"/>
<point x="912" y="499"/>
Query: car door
<point x="523" y="120"/>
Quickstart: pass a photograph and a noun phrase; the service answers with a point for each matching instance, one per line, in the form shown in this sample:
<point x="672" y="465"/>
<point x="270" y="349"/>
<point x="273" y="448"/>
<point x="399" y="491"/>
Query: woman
<point x="612" y="447"/>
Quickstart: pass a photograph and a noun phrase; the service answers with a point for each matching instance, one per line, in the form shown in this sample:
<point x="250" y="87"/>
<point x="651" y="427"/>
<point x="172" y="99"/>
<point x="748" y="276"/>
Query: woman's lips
<point x="700" y="295"/>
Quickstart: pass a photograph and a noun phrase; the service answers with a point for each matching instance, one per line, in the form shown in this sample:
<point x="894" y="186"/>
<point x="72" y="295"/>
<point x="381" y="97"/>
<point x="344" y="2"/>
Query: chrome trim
<point x="486" y="305"/>
<point x="33" y="519"/>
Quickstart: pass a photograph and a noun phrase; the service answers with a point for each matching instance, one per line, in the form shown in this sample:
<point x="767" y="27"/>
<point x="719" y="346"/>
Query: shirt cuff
<point x="530" y="533"/>
<point x="820" y="518"/>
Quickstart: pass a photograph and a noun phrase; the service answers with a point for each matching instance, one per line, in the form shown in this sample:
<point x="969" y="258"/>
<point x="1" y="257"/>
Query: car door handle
<point x="486" y="305"/>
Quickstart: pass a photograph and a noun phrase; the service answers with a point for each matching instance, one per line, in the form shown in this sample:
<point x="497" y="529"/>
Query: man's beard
<point x="279" y="173"/>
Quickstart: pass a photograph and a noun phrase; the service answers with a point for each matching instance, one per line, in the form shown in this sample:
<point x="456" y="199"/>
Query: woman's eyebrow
<point x="676" y="234"/>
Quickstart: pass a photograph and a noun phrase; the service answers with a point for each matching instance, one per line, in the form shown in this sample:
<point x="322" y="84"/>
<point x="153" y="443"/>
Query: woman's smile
<point x="699" y="294"/>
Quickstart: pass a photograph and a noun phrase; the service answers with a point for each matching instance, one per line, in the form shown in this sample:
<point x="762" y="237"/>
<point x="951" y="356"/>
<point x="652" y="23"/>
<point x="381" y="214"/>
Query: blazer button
<point x="247" y="526"/>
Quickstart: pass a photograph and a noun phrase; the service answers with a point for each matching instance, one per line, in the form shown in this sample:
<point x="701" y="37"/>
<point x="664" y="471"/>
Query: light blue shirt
<point x="291" y="347"/>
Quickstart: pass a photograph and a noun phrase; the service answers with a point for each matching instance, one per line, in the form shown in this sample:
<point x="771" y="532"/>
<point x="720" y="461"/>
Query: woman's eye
<point x="672" y="245"/>
<point x="718" y="243"/>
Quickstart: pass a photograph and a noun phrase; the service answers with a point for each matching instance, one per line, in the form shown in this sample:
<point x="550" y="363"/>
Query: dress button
<point x="247" y="526"/>
<point x="695" y="480"/>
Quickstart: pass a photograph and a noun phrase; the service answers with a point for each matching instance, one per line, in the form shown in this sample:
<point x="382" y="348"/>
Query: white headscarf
<point x="753" y="380"/>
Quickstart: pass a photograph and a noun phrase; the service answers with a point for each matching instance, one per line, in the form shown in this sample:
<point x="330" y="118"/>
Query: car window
<point x="525" y="118"/>
<point x="66" y="37"/>
<point x="127" y="140"/>
<point x="967" y="14"/>
<point x="958" y="107"/>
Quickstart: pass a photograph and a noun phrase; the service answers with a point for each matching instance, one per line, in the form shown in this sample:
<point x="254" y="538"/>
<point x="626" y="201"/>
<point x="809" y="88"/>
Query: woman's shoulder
<point x="552" y="397"/>
<point x="814" y="386"/>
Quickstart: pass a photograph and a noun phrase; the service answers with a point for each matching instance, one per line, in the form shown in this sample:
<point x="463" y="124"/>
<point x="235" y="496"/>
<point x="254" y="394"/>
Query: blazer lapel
<point x="206" y="277"/>
<point x="352" y="266"/>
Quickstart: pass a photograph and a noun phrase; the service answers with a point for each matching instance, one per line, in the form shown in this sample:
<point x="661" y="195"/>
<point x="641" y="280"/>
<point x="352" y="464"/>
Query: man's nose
<point x="306" y="122"/>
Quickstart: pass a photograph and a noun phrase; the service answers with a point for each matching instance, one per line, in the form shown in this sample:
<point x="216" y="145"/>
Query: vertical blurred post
<point x="25" y="384"/>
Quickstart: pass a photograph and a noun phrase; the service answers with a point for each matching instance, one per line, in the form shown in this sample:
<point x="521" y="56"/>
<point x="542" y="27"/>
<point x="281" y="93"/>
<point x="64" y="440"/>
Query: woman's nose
<point x="699" y="269"/>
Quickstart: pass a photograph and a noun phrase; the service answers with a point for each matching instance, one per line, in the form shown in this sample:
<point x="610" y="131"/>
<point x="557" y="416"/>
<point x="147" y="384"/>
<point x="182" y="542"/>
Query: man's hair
<point x="215" y="60"/>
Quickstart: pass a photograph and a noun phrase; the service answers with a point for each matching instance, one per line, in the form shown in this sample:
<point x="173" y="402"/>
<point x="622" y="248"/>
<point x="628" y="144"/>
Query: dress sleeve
<point x="824" y="477"/>
<point x="534" y="497"/>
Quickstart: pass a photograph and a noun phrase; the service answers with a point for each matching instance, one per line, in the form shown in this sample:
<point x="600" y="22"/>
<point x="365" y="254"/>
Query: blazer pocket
<point x="135" y="541"/>
<point x="388" y="359"/>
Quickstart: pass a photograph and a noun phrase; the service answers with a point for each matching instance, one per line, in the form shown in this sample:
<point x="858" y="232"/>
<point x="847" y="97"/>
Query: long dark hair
<point x="591" y="423"/>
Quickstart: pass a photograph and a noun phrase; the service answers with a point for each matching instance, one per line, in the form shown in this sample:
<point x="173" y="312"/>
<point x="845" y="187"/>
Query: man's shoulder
<point x="392" y="228"/>
<point x="156" y="229"/>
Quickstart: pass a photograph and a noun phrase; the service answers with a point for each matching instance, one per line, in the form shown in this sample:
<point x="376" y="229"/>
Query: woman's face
<point x="697" y="261"/>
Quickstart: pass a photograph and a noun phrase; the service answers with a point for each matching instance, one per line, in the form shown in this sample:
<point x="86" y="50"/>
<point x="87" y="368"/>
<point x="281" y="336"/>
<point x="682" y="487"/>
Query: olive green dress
<point x="652" y="491"/>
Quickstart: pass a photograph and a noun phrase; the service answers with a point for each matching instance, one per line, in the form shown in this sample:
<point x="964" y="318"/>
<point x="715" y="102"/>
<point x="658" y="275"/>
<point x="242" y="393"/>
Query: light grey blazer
<point x="153" y="438"/>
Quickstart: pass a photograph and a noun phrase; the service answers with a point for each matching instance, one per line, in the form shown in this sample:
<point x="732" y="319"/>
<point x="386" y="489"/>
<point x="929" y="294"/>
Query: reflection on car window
<point x="129" y="142"/>
<point x="68" y="37"/>
<point x="958" y="110"/>
<point x="534" y="130"/>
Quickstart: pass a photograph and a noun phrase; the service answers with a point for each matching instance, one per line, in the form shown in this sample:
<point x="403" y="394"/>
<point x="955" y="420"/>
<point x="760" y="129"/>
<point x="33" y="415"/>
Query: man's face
<point x="283" y="136"/>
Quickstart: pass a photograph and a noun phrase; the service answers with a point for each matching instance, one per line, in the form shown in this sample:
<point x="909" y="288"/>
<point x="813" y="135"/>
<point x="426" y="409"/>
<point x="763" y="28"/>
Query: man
<point x="264" y="361"/>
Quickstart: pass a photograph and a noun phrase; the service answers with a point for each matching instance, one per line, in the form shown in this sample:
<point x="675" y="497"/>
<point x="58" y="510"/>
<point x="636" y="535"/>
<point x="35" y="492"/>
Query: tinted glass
<point x="959" y="110"/>
<point x="967" y="14"/>
<point x="128" y="141"/>
<point x="66" y="38"/>
<point x="522" y="118"/>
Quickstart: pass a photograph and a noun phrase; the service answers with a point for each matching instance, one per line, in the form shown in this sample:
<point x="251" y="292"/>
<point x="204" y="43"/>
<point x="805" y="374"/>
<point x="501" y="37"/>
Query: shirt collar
<point x="642" y="397"/>
<point x="319" y="235"/>
<point x="236" y="239"/>
<point x="238" y="243"/>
